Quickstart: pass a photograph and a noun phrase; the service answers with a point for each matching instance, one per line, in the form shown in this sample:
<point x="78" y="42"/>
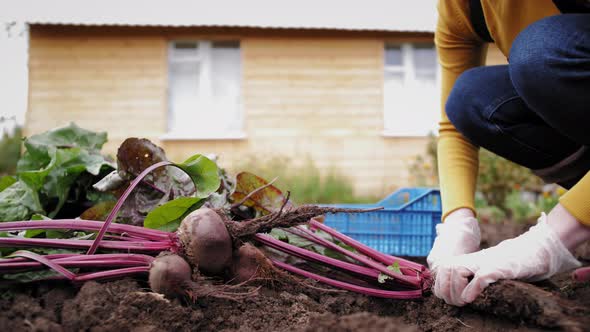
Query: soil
<point x="128" y="305"/>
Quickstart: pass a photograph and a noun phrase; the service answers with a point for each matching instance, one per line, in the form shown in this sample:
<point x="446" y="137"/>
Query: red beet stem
<point x="412" y="294"/>
<point x="410" y="280"/>
<point x="582" y="274"/>
<point x="125" y="257"/>
<point x="370" y="252"/>
<point x="113" y="214"/>
<point x="52" y="265"/>
<point x="109" y="274"/>
<point x="86" y="225"/>
<point x="59" y="263"/>
<point x="108" y="263"/>
<point x="310" y="255"/>
<point x="131" y="246"/>
<point x="310" y="236"/>
<point x="79" y="257"/>
<point x="22" y="259"/>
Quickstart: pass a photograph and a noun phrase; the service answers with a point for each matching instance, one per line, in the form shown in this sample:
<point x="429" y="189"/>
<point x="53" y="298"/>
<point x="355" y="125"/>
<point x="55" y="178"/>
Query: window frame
<point x="205" y="89"/>
<point x="407" y="68"/>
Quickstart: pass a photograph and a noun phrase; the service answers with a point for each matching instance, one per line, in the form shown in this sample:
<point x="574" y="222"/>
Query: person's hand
<point x="458" y="235"/>
<point x="534" y="255"/>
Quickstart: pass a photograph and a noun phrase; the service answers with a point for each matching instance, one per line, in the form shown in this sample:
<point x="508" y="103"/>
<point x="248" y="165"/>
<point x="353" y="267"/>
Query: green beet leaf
<point x="168" y="216"/>
<point x="35" y="232"/>
<point x="55" y="159"/>
<point x="65" y="137"/>
<point x="33" y="171"/>
<point x="18" y="202"/>
<point x="393" y="268"/>
<point x="30" y="276"/>
<point x="204" y="173"/>
<point x="47" y="233"/>
<point x="6" y="181"/>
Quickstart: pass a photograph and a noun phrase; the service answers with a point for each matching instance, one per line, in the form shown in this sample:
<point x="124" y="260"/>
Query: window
<point x="204" y="90"/>
<point x="411" y="90"/>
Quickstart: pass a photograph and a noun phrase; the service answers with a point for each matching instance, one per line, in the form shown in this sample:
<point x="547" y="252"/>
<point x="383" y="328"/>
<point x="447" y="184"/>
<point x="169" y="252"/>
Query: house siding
<point x="109" y="84"/>
<point x="305" y="96"/>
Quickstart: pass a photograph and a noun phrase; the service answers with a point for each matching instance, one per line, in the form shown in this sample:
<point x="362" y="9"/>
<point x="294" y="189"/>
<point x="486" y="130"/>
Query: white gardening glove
<point x="458" y="235"/>
<point x="535" y="255"/>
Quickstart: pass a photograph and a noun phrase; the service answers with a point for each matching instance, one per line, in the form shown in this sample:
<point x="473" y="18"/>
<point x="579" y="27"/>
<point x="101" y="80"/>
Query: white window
<point x="204" y="90"/>
<point x="411" y="90"/>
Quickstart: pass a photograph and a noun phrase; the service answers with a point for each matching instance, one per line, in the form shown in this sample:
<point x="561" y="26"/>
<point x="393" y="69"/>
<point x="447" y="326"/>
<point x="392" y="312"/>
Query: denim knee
<point x="461" y="107"/>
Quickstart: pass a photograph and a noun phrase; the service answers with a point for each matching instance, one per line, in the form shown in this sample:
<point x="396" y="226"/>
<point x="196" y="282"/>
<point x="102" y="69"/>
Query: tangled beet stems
<point x="209" y="242"/>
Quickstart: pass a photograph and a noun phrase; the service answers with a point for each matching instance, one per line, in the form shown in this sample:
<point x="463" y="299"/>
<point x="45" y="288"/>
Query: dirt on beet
<point x="128" y="305"/>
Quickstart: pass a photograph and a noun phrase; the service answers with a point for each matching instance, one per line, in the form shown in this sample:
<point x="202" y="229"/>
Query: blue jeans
<point x="535" y="111"/>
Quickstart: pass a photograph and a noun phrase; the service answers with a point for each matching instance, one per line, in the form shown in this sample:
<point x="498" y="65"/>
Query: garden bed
<point x="96" y="189"/>
<point x="129" y="305"/>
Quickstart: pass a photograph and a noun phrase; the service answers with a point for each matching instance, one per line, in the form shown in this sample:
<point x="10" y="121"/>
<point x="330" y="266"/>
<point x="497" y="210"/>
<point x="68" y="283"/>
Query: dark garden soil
<point x="127" y="305"/>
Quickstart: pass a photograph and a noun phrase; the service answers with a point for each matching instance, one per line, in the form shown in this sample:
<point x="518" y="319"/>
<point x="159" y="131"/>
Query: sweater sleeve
<point x="458" y="49"/>
<point x="576" y="200"/>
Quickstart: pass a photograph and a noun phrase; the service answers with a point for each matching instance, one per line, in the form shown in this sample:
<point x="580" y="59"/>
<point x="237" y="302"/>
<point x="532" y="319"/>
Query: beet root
<point x="170" y="275"/>
<point x="283" y="218"/>
<point x="206" y="241"/>
<point x="250" y="264"/>
<point x="203" y="288"/>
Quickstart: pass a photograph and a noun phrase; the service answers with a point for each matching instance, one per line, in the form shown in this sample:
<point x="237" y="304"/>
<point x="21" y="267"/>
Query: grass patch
<point x="307" y="183"/>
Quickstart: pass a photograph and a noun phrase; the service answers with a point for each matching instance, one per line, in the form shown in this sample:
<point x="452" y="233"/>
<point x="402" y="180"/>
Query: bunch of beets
<point x="215" y="250"/>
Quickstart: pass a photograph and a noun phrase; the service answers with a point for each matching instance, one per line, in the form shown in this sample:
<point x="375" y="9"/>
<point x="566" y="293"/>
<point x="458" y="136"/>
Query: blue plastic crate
<point x="405" y="227"/>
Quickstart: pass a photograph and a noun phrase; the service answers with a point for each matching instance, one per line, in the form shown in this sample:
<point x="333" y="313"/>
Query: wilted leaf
<point x="135" y="155"/>
<point x="137" y="206"/>
<point x="265" y="201"/>
<point x="168" y="216"/>
<point x="99" y="211"/>
<point x="301" y="242"/>
<point x="111" y="181"/>
<point x="161" y="185"/>
<point x="96" y="196"/>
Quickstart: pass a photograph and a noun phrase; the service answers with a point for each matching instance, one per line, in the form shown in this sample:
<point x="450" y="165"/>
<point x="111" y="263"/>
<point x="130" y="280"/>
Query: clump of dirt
<point x="494" y="233"/>
<point x="25" y="313"/>
<point x="362" y="321"/>
<point x="519" y="300"/>
<point x="126" y="305"/>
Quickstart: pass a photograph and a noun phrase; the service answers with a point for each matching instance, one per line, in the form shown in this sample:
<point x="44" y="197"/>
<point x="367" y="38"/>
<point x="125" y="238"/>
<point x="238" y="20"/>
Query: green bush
<point x="424" y="168"/>
<point x="497" y="177"/>
<point x="10" y="149"/>
<point x="306" y="183"/>
<point x="524" y="209"/>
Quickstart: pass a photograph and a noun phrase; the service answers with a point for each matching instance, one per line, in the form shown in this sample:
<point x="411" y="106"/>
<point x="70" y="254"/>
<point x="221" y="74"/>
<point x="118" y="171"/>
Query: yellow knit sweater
<point x="459" y="48"/>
